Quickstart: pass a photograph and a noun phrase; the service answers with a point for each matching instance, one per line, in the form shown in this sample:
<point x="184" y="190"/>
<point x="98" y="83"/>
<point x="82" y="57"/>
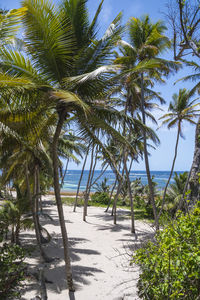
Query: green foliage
<point x="170" y="265"/>
<point x="100" y="197"/>
<point x="175" y="192"/>
<point x="103" y="186"/>
<point x="12" y="271"/>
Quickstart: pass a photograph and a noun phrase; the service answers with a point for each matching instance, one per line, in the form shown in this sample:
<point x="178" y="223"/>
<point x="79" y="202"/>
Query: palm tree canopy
<point x="181" y="108"/>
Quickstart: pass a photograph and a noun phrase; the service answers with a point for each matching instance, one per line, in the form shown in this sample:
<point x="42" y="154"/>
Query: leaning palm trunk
<point x="63" y="177"/>
<point x="79" y="183"/>
<point x="151" y="192"/>
<point x="62" y="116"/>
<point x="172" y="170"/>
<point x="101" y="174"/>
<point x="87" y="187"/>
<point x="111" y="194"/>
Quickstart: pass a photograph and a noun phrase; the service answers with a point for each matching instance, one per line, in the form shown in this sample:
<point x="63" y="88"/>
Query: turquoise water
<point x="72" y="178"/>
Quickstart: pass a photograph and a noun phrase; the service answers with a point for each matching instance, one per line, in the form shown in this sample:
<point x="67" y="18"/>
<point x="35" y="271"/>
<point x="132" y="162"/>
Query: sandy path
<point x="99" y="253"/>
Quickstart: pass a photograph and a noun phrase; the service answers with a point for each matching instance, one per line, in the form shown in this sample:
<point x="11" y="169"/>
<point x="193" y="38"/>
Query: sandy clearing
<point x="99" y="253"/>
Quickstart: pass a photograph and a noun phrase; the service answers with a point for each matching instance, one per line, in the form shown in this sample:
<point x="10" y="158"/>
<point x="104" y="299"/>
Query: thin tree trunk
<point x="172" y="169"/>
<point x="115" y="202"/>
<point x="92" y="175"/>
<point x="79" y="183"/>
<point x="63" y="178"/>
<point x="39" y="191"/>
<point x="87" y="187"/>
<point x="102" y="172"/>
<point x="151" y="191"/>
<point x="114" y="186"/>
<point x="130" y="196"/>
<point x="43" y="290"/>
<point x="120" y="182"/>
<point x="62" y="115"/>
<point x="130" y="167"/>
<point x="36" y="225"/>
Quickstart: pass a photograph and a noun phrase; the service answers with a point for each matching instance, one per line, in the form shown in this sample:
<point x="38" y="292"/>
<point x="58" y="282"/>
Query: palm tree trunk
<point x="87" y="187"/>
<point x="79" y="183"/>
<point x="62" y="116"/>
<point x="63" y="177"/>
<point x="111" y="195"/>
<point x="114" y="211"/>
<point x="130" y="167"/>
<point x="130" y="196"/>
<point x="43" y="256"/>
<point x="92" y="175"/>
<point x="172" y="169"/>
<point x="147" y="159"/>
<point x="101" y="174"/>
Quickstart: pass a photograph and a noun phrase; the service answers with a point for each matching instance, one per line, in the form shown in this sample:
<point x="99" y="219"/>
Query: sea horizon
<point x="73" y="175"/>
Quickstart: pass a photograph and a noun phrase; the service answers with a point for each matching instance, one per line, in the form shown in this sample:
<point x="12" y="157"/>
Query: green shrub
<point x="170" y="266"/>
<point x="12" y="271"/>
<point x="100" y="197"/>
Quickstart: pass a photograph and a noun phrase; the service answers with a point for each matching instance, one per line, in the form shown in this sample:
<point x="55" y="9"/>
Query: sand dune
<point x="100" y="254"/>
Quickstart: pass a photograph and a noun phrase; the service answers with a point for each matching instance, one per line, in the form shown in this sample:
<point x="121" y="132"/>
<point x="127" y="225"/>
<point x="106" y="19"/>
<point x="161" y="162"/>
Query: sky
<point x="161" y="158"/>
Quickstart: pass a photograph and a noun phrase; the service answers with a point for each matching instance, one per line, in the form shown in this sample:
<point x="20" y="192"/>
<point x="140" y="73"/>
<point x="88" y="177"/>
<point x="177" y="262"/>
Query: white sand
<point x="100" y="254"/>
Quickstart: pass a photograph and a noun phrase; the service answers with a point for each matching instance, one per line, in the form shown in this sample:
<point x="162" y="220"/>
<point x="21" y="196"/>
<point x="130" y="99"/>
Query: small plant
<point x="102" y="187"/>
<point x="170" y="265"/>
<point x="12" y="271"/>
<point x="101" y="198"/>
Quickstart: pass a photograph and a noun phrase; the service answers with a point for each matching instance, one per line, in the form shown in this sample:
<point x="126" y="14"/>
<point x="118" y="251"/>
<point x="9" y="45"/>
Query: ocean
<point x="72" y="178"/>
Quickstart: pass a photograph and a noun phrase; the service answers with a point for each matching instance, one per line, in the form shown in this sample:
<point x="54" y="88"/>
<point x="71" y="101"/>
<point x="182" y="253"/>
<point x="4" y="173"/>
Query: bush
<point x="101" y="198"/>
<point x="12" y="271"/>
<point x="170" y="266"/>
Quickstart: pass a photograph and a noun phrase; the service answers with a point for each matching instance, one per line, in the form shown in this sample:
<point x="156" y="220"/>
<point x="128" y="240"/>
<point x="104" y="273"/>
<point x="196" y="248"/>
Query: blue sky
<point x="161" y="158"/>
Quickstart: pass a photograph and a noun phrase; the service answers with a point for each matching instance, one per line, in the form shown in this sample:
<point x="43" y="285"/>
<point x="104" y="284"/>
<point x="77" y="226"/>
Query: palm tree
<point x="181" y="109"/>
<point x="141" y="65"/>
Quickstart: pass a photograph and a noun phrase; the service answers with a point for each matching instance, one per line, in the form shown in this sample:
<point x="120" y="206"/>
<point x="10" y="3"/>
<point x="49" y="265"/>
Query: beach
<point x="100" y="254"/>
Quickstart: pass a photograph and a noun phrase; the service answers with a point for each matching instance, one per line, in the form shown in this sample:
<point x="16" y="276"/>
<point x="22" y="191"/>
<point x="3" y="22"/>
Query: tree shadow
<point x="54" y="272"/>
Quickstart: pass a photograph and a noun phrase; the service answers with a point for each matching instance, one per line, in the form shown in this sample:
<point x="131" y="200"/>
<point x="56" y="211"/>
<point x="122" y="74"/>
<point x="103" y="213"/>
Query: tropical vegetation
<point x="69" y="94"/>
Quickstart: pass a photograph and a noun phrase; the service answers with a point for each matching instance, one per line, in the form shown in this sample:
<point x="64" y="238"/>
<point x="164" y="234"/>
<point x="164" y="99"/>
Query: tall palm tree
<point x="142" y="64"/>
<point x="181" y="109"/>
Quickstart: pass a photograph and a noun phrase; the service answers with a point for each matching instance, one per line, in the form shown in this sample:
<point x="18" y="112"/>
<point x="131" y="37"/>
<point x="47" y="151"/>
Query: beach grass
<point x="140" y="213"/>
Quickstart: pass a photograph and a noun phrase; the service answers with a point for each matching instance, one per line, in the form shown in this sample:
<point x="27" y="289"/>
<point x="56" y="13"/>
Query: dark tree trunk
<point x="87" y="187"/>
<point x="151" y="191"/>
<point x="62" y="116"/>
<point x="79" y="183"/>
<point x="172" y="169"/>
